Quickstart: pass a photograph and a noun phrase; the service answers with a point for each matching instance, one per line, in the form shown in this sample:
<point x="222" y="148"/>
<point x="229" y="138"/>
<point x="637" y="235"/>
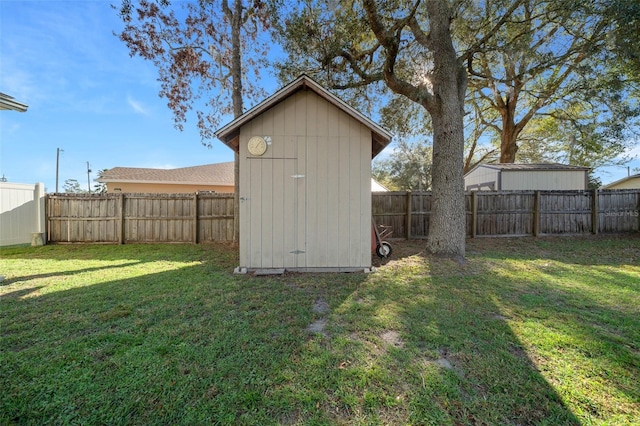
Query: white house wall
<point x="306" y="203"/>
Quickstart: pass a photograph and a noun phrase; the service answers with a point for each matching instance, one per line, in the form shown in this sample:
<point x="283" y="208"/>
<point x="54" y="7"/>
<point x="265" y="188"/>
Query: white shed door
<point x="276" y="212"/>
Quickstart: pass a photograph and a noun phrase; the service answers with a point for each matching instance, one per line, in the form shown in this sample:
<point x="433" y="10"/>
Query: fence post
<point x="638" y="210"/>
<point x="536" y="214"/>
<point x="594" y="212"/>
<point x="47" y="200"/>
<point x="121" y="227"/>
<point x="194" y="226"/>
<point x="474" y="214"/>
<point x="408" y="224"/>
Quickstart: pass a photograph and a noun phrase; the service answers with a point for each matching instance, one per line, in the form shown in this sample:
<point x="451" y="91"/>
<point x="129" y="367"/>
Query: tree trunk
<point x="508" y="145"/>
<point x="238" y="107"/>
<point x="509" y="135"/>
<point x="447" y="229"/>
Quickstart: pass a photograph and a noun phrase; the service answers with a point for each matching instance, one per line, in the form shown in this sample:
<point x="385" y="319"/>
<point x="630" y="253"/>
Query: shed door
<point x="276" y="203"/>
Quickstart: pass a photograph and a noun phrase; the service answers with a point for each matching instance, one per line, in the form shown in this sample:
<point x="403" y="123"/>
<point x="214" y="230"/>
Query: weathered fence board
<point x="79" y="219"/>
<point x="208" y="217"/>
<point x="619" y="211"/>
<point x="516" y="213"/>
<point x="215" y="213"/>
<point x="140" y="218"/>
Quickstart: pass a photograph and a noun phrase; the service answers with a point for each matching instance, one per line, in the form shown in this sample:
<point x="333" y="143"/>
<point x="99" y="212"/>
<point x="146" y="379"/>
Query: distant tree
<point x="594" y="182"/>
<point x="72" y="186"/>
<point x="408" y="167"/>
<point x="100" y="187"/>
<point x="209" y="56"/>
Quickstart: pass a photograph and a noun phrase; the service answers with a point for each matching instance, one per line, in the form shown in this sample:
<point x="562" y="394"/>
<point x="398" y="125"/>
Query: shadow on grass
<point x="195" y="345"/>
<point x="467" y="339"/>
<point x="63" y="273"/>
<point x="422" y="341"/>
<point x="523" y="333"/>
<point x="114" y="252"/>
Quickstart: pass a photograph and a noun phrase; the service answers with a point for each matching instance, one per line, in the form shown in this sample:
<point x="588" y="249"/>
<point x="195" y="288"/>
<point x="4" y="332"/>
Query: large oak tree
<point x="407" y="48"/>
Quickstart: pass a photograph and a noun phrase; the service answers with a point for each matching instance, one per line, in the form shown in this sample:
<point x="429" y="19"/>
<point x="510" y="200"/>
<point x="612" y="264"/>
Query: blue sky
<point x="87" y="96"/>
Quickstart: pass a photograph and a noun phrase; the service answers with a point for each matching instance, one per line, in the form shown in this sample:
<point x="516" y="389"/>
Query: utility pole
<point x="58" y="166"/>
<point x="88" y="178"/>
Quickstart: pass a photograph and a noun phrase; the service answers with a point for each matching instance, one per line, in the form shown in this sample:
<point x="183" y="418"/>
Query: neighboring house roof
<point x="9" y="103"/>
<point x="209" y="174"/>
<point x="229" y="133"/>
<point x="625" y="179"/>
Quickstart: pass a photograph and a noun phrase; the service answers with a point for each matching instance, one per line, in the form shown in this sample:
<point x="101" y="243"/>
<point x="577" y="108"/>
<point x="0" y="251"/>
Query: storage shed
<point x="526" y="177"/>
<point x="305" y="181"/>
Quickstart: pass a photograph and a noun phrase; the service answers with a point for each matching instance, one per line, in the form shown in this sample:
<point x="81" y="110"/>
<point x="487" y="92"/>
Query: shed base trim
<point x="277" y="271"/>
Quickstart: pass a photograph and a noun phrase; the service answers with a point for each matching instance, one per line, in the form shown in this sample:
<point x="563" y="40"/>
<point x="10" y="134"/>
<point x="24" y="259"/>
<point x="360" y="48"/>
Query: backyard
<point x="529" y="331"/>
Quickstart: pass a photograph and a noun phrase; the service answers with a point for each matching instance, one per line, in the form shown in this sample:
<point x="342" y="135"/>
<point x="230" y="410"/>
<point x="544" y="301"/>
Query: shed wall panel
<point x="482" y="175"/>
<point x="307" y="199"/>
<point x="543" y="180"/>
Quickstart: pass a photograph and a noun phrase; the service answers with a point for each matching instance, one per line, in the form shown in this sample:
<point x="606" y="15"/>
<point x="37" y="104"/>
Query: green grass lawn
<point x="527" y="332"/>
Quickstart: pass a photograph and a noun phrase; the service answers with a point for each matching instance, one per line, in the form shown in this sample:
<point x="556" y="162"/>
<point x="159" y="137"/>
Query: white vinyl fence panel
<point x="21" y="212"/>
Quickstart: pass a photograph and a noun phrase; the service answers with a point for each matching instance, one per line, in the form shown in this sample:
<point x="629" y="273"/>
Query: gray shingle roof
<point x="535" y="166"/>
<point x="210" y="174"/>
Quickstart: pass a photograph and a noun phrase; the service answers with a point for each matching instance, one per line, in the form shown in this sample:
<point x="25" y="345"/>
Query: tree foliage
<point x="209" y="54"/>
<point x="72" y="186"/>
<point x="568" y="64"/>
<point x="100" y="187"/>
<point x="550" y="65"/>
<point x="405" y="51"/>
<point x="407" y="168"/>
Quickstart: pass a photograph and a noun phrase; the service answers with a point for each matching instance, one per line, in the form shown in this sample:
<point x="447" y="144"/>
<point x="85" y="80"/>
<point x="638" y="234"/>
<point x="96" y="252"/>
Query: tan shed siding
<point x="324" y="215"/>
<point x="482" y="175"/>
<point x="153" y="188"/>
<point x="543" y="180"/>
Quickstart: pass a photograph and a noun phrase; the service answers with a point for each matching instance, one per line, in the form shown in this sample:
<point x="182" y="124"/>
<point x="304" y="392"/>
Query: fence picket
<point x="208" y="217"/>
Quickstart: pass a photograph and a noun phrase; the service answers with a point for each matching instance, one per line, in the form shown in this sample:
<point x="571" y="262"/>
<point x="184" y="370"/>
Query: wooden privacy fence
<point x="208" y="217"/>
<point x="139" y="218"/>
<point x="516" y="213"/>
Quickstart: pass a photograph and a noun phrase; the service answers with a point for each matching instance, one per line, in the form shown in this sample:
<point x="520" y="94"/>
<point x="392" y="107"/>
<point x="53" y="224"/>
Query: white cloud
<point x="137" y="106"/>
<point x="634" y="151"/>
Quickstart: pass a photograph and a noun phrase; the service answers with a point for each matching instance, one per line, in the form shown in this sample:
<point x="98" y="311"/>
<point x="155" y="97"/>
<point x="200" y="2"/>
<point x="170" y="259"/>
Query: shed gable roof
<point x="229" y="134"/>
<point x="209" y="174"/>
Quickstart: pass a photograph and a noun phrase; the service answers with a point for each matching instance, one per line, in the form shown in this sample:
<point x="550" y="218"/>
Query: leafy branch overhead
<point x="570" y="61"/>
<point x="208" y="55"/>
